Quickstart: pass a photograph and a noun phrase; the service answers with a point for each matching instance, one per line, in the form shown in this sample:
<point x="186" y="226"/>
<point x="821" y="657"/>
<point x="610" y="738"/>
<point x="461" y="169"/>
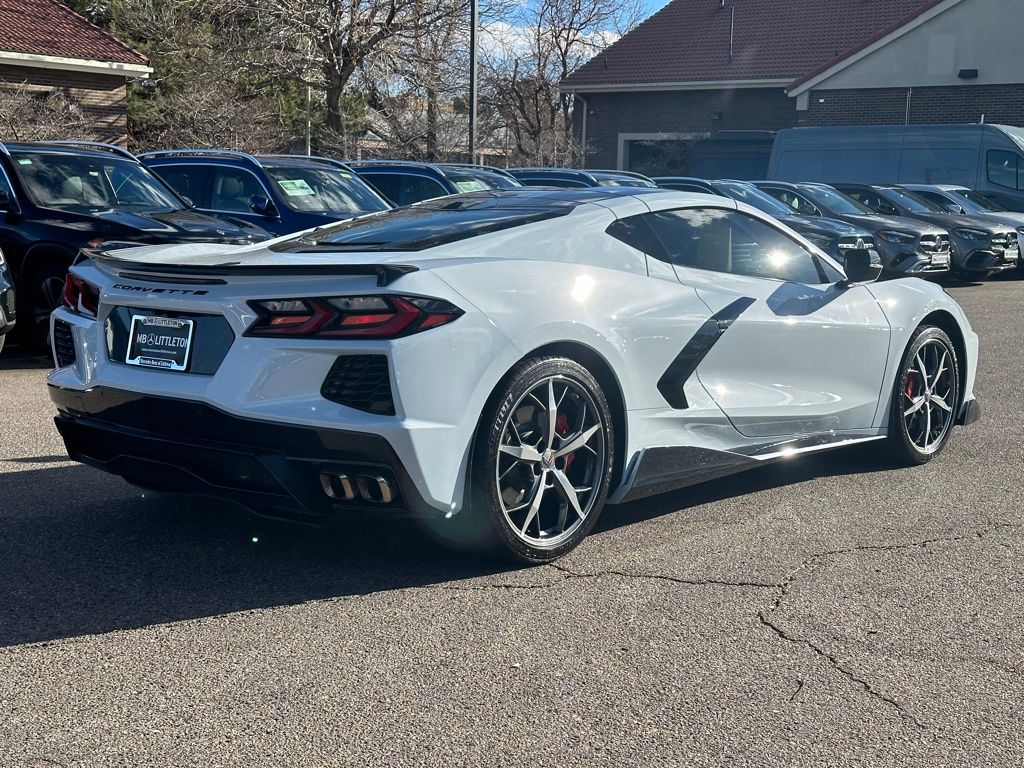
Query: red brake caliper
<point x="910" y="385"/>
<point x="562" y="428"/>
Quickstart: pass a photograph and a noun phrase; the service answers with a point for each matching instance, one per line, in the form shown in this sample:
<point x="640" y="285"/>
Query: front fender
<point x="906" y="303"/>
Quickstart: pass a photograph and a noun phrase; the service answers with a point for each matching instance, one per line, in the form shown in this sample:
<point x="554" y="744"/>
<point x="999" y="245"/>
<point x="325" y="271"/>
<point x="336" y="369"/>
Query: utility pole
<point x="473" y="11"/>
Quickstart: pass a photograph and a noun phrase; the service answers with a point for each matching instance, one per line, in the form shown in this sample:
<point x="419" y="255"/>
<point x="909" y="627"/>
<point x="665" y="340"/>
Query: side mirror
<point x="262" y="205"/>
<point x="954" y="208"/>
<point x="859" y="266"/>
<point x="189" y="203"/>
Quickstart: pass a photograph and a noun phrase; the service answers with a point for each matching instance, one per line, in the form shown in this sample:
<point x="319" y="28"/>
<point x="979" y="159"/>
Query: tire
<point x="529" y="501"/>
<point x="922" y="398"/>
<point x="39" y="295"/>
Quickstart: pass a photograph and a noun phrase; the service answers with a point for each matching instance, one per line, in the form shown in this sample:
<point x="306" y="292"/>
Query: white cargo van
<point x="987" y="158"/>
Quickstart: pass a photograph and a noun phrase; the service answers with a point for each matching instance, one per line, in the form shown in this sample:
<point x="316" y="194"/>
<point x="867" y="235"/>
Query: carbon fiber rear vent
<point x="63" y="344"/>
<point x="362" y="382"/>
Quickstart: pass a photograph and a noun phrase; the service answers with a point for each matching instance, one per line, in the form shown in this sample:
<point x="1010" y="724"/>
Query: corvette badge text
<point x="172" y="291"/>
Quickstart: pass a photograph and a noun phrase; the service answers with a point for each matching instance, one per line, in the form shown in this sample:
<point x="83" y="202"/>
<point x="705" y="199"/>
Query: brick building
<point x="46" y="49"/>
<point x="698" y="67"/>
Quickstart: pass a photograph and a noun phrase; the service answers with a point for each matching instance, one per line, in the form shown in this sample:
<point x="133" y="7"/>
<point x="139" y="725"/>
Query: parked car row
<point x="57" y="198"/>
<point x="915" y="229"/>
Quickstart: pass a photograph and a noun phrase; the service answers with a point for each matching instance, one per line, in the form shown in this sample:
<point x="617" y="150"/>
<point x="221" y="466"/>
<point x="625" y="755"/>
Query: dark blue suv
<point x="59" y="197"/>
<point x="281" y="193"/>
<point x="405" y="182"/>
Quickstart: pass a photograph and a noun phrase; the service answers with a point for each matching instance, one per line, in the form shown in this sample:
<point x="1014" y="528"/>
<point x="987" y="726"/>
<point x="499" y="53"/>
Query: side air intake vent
<point x="362" y="382"/>
<point x="63" y="344"/>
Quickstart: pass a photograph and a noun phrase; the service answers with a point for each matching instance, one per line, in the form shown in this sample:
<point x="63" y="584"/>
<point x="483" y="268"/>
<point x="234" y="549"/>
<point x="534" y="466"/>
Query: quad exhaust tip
<point x="371" y="488"/>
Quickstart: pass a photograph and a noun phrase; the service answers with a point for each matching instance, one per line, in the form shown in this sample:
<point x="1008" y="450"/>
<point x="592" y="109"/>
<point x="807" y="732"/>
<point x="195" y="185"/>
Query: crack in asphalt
<point x="664" y="577"/>
<point x="783" y="588"/>
<point x="838" y="667"/>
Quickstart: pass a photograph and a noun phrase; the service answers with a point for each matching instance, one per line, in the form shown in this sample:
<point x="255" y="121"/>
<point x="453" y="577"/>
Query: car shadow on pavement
<point x="83" y="553"/>
<point x="13" y="359"/>
<point x="854" y="460"/>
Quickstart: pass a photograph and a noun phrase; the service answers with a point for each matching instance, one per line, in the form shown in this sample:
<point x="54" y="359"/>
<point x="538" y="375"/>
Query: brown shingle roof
<point x="48" y="28"/>
<point x="688" y="40"/>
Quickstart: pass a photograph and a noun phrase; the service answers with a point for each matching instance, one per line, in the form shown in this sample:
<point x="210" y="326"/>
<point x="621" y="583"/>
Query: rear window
<point x="422" y="226"/>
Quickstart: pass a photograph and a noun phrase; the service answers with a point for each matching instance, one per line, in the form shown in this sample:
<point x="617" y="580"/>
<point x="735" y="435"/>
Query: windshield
<point x="751" y="195"/>
<point x="982" y="203"/>
<point x="86" y="182"/>
<point x="835" y="202"/>
<point x="912" y="202"/>
<point x="478" y="181"/>
<point x="323" y="190"/>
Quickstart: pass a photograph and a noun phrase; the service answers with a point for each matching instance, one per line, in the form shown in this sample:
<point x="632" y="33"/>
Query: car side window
<point x="945" y="203"/>
<point x="1005" y="169"/>
<point x="872" y="200"/>
<point x="404" y="188"/>
<point x="413" y="189"/>
<point x="796" y="202"/>
<point x="232" y="188"/>
<point x="191" y="181"/>
<point x="636" y="232"/>
<point x="733" y="242"/>
<point x="385" y="183"/>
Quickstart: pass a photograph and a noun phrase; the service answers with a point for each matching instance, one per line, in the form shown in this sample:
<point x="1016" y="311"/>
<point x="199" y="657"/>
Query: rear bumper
<point x="183" y="446"/>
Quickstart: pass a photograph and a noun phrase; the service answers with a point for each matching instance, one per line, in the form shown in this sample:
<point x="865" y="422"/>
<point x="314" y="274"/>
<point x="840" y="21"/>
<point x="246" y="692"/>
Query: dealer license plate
<point x="160" y="342"/>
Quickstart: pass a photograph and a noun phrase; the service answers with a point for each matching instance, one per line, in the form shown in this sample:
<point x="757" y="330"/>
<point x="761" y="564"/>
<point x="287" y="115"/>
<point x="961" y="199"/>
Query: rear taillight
<point x="80" y="297"/>
<point x="356" y="317"/>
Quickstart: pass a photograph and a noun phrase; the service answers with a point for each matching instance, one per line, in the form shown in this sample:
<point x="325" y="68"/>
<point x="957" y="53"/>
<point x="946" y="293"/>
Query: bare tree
<point x="323" y="43"/>
<point x="29" y="113"/>
<point x="531" y="53"/>
<point x="417" y="87"/>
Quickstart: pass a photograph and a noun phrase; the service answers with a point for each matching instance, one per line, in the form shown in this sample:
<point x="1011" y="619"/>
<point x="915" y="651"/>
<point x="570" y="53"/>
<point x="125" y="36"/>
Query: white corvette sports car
<point x="502" y="364"/>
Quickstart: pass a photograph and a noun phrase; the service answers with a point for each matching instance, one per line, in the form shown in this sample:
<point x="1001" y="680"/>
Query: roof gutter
<point x="683" y="85"/>
<point x="91" y="66"/>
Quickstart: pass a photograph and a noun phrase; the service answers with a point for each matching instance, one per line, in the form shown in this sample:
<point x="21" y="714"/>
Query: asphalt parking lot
<point x="829" y="611"/>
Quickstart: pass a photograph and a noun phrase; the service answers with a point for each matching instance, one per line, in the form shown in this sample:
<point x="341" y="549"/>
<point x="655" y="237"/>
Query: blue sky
<point x="654" y="5"/>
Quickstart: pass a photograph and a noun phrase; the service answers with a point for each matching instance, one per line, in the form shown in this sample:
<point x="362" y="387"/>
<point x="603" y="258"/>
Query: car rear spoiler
<point x="179" y="273"/>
